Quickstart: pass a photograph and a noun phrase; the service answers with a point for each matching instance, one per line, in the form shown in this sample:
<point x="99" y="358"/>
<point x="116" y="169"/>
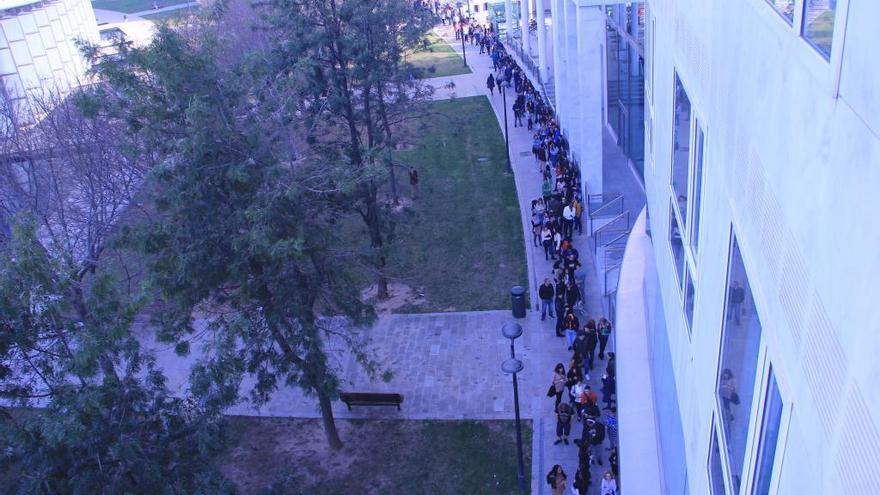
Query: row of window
<point x="817" y="21"/>
<point x="741" y="327"/>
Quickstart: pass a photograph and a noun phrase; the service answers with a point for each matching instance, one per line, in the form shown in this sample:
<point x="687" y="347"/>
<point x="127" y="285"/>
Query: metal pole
<point x="463" y="54"/>
<point x="521" y="475"/>
<point x="506" y="133"/>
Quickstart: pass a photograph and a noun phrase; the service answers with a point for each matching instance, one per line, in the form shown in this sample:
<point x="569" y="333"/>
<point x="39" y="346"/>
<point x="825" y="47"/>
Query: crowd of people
<point x="556" y="216"/>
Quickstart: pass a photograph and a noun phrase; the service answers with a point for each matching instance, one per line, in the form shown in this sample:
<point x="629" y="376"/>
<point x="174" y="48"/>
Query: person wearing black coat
<point x="490" y="83"/>
<point x="560" y="312"/>
<point x="592" y="337"/>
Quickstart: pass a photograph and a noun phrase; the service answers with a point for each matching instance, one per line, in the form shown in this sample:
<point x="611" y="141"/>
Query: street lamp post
<point x="506" y="133"/>
<point x="463" y="54"/>
<point x="513" y="366"/>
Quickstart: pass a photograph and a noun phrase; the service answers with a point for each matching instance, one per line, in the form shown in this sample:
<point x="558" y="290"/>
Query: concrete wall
<point x="792" y="166"/>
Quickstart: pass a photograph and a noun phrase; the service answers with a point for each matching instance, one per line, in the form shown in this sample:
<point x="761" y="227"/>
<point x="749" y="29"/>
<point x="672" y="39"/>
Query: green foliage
<point x="109" y="424"/>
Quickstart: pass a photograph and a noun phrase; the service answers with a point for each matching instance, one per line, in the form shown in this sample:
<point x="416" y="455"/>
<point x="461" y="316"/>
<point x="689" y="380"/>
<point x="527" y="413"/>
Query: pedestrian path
<point x="546" y="348"/>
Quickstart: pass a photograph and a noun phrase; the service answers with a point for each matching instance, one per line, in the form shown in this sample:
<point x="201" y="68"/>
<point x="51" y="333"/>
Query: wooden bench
<point x="371" y="399"/>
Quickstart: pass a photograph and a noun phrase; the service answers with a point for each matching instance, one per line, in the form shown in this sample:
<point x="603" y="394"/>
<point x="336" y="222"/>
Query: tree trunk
<point x="329" y="423"/>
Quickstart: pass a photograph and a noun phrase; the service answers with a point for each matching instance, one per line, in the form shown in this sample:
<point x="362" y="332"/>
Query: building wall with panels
<point x="792" y="168"/>
<point x="38" y="49"/>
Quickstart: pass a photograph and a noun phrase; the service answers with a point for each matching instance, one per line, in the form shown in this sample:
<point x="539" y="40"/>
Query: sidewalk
<point x="546" y="349"/>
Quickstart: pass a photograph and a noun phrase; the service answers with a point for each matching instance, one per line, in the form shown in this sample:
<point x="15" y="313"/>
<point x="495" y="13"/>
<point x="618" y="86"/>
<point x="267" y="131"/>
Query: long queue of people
<point x="556" y="217"/>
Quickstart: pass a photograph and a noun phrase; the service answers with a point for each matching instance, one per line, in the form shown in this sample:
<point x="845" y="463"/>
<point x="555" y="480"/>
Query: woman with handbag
<point x="557" y="384"/>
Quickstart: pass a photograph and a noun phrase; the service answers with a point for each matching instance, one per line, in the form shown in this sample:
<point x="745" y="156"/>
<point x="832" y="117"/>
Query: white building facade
<point x="38" y="51"/>
<point x="748" y="333"/>
<point x="761" y="170"/>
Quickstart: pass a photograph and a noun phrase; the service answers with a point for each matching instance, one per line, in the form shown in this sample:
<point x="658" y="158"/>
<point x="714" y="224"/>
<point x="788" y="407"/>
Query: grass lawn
<point x="436" y="59"/>
<point x="460" y="243"/>
<point x="379" y="457"/>
<point x="130" y="6"/>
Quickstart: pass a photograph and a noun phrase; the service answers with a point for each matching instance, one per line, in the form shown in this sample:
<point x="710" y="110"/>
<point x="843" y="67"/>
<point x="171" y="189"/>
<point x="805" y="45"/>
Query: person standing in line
<point x="561" y="310"/>
<point x="571" y="326"/>
<point x="568" y="218"/>
<point x="611" y="425"/>
<point x="546" y="293"/>
<point x="604" y="332"/>
<point x="556" y="479"/>
<point x="582" y="478"/>
<point x="414" y="181"/>
<point x="547" y="242"/>
<point x="490" y="83"/>
<point x="609" y="484"/>
<point x="609" y="389"/>
<point x="578" y="214"/>
<point x="612" y="461"/>
<point x="563" y="423"/>
<point x="592" y="337"/>
<point x="558" y="383"/>
<point x="592" y="436"/>
<point x="557" y="243"/>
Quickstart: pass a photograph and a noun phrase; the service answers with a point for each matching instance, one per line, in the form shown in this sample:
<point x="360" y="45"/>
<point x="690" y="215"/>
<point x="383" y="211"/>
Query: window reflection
<point x="769" y="437"/>
<point x="785" y="8"/>
<point x="716" y="474"/>
<point x="741" y="336"/>
<point x="681" y="135"/>
<point x="698" y="188"/>
<point x="677" y="246"/>
<point x="689" y="299"/>
<point x="819" y="24"/>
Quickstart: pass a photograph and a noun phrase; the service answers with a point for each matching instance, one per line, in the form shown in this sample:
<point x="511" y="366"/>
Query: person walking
<point x="546" y="293"/>
<point x="609" y="484"/>
<point x="564" y="414"/>
<point x="557" y="384"/>
<point x="604" y="332"/>
<point x="490" y="83"/>
<point x="414" y="181"/>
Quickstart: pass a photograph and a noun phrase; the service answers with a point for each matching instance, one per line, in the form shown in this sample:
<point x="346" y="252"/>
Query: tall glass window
<point x="677" y="245"/>
<point x="785" y="8"/>
<point x="681" y="135"/>
<point x="740" y="339"/>
<point x="625" y="75"/>
<point x="716" y="470"/>
<point x="818" y="25"/>
<point x="769" y="437"/>
<point x="698" y="187"/>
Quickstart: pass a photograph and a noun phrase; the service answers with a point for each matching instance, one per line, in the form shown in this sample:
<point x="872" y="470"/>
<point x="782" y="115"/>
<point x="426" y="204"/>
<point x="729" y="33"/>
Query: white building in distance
<point x="38" y="51"/>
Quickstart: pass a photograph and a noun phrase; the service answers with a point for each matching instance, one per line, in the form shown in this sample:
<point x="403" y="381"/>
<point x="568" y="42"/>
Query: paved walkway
<point x="547" y="349"/>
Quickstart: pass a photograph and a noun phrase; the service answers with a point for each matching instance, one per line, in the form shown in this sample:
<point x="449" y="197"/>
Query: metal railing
<point x="607" y="202"/>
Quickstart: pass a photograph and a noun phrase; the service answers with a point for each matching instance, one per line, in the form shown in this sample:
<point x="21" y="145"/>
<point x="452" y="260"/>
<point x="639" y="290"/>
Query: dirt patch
<point x="404" y="146"/>
<point x="400" y="295"/>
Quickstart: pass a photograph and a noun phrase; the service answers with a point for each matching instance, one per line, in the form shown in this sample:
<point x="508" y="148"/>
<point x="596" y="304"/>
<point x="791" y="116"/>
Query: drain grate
<point x="525" y="153"/>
